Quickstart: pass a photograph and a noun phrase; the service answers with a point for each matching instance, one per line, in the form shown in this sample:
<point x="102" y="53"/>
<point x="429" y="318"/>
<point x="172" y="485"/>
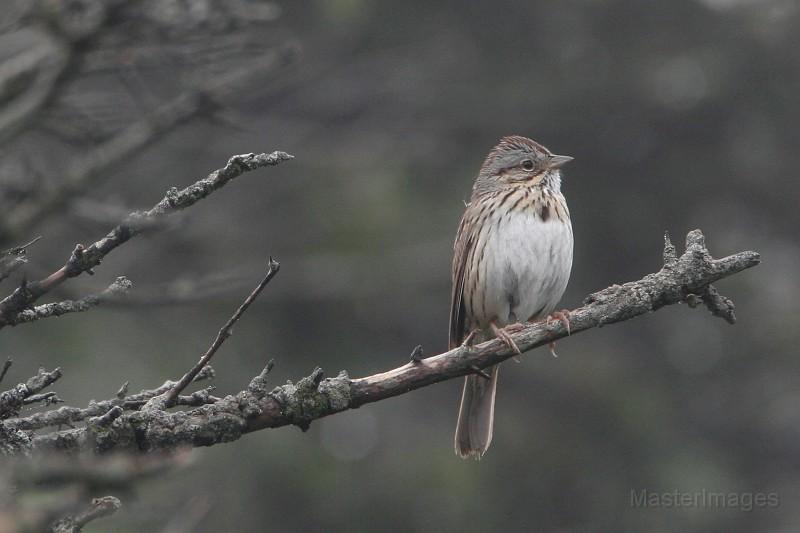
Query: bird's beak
<point x="557" y="161"/>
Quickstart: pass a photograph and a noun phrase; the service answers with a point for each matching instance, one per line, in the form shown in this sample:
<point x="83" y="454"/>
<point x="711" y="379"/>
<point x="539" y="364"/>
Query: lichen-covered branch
<point x="11" y="401"/>
<point x="84" y="259"/>
<point x="120" y="286"/>
<point x="314" y="397"/>
<point x="67" y="416"/>
<point x="100" y="507"/>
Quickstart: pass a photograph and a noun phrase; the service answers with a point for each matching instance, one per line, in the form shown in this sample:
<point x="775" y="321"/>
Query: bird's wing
<point x="462" y="251"/>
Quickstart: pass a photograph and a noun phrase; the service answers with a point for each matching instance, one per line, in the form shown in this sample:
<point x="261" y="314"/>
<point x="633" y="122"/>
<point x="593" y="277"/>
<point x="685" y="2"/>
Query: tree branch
<point x="100" y="507"/>
<point x="13" y="258"/>
<point x="11" y="401"/>
<point x="225" y="332"/>
<point x="6" y="366"/>
<point x="120" y="286"/>
<point x="313" y="397"/>
<point x="84" y="259"/>
<point x="67" y="416"/>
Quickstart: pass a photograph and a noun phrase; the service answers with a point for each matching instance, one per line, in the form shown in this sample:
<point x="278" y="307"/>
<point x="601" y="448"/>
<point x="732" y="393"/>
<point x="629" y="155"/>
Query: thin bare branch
<point x="6" y="366"/>
<point x="45" y="398"/>
<point x="14" y="258"/>
<point x="100" y="507"/>
<point x="225" y="332"/>
<point x="84" y="259"/>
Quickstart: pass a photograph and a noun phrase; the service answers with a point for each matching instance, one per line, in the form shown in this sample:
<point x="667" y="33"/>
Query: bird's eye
<point x="527" y="164"/>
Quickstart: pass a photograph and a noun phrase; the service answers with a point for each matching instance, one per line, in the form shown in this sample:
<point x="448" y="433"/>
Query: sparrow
<point x="512" y="259"/>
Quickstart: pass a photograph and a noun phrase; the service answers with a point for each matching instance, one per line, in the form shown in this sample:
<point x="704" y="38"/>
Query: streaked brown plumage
<point x="512" y="258"/>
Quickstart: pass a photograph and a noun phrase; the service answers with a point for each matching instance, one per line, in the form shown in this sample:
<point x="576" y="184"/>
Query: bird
<point x="512" y="260"/>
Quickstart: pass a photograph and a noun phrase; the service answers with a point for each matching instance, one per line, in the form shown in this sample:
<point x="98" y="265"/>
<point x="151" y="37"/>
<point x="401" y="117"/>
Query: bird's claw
<point x="503" y="335"/>
<point x="514" y="328"/>
<point x="552" y="347"/>
<point x="562" y="316"/>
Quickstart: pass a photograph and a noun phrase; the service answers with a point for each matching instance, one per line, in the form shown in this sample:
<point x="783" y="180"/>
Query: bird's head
<point x="518" y="160"/>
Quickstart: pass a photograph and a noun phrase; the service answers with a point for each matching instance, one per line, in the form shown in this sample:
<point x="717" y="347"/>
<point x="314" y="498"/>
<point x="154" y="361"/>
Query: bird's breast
<point x="526" y="261"/>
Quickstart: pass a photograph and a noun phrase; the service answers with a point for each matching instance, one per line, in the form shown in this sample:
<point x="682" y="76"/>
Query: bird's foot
<point x="514" y="328"/>
<point x="503" y="335"/>
<point x="562" y="316"/>
<point x="552" y="347"/>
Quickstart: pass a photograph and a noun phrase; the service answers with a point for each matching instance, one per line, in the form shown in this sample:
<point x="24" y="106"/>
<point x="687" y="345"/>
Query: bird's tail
<point x="476" y="415"/>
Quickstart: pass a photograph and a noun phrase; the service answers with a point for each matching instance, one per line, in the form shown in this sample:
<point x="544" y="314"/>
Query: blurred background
<point x="679" y="114"/>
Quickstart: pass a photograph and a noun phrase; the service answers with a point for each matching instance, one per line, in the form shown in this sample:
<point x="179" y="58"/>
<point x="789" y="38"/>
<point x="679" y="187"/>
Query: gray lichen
<point x="313" y="397"/>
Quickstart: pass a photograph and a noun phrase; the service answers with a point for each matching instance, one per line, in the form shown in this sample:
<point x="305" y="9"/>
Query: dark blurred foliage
<point x="679" y="115"/>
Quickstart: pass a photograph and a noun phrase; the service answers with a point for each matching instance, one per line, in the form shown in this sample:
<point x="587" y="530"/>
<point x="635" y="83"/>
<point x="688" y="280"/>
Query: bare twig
<point x="46" y="398"/>
<point x="417" y="354"/>
<point x="21" y="249"/>
<point x="106" y="419"/>
<point x="6" y="366"/>
<point x="84" y="259"/>
<point x="313" y="397"/>
<point x="120" y="286"/>
<point x="12" y="400"/>
<point x="100" y="507"/>
<point x="195" y="399"/>
<point x="225" y="332"/>
<point x="14" y="258"/>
